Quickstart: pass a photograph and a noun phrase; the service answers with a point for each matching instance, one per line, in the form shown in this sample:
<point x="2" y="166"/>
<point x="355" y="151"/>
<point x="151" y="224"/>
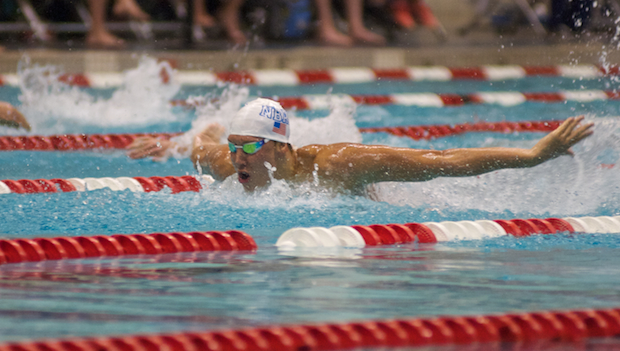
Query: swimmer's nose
<point x="239" y="157"/>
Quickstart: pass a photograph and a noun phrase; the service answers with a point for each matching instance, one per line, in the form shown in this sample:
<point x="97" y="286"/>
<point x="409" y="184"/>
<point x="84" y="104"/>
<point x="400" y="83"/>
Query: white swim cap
<point x="262" y="118"/>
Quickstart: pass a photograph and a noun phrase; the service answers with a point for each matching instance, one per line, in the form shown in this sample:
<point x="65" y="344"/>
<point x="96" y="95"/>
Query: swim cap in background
<point x="262" y="118"/>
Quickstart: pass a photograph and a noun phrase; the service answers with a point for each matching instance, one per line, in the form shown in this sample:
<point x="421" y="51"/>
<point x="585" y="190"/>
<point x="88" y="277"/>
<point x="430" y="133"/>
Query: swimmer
<point x="11" y="117"/>
<point x="259" y="136"/>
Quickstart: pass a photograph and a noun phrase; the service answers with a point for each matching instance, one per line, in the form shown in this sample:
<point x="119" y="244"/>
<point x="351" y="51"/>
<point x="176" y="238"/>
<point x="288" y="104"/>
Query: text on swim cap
<point x="274" y="113"/>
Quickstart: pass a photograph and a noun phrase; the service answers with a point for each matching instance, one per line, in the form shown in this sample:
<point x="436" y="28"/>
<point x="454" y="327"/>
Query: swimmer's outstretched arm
<point x="209" y="155"/>
<point x="358" y="165"/>
<point x="11" y="117"/>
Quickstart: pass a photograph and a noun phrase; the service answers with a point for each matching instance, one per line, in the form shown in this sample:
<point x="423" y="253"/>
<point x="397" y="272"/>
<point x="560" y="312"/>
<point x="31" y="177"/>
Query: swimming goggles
<point x="249" y="148"/>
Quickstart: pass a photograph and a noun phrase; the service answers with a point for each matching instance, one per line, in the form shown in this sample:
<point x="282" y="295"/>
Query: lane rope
<point x="78" y="247"/>
<point x="566" y="326"/>
<point x="175" y="184"/>
<point x="433" y="232"/>
<point x="501" y="98"/>
<point x="75" y="142"/>
<point x="343" y="75"/>
<point x="71" y="142"/>
<point x="356" y="236"/>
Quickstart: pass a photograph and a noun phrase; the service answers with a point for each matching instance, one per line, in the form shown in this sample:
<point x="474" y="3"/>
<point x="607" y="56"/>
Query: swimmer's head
<point x="259" y="134"/>
<point x="262" y="118"/>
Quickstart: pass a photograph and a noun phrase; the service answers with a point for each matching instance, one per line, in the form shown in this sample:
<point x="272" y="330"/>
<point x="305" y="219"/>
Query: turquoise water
<point x="197" y="291"/>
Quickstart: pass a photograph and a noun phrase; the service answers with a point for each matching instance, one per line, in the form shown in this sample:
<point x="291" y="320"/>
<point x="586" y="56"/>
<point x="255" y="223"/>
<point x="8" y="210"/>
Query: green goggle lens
<point x="249" y="148"/>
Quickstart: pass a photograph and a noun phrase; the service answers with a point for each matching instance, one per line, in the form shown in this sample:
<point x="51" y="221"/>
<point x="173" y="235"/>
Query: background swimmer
<point x="258" y="149"/>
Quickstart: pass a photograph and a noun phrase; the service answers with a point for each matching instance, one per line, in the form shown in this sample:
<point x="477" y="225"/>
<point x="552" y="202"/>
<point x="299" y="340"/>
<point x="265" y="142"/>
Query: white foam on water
<point x="588" y="182"/>
<point x="338" y="127"/>
<point x="279" y="196"/>
<point x="54" y="107"/>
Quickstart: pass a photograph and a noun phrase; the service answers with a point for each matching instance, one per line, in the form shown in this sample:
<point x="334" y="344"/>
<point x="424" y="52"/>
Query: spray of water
<point x="54" y="107"/>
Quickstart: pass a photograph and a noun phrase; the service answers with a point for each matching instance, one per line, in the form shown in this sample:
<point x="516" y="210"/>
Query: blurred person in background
<point x="357" y="32"/>
<point x="407" y="15"/>
<point x="227" y="14"/>
<point x="98" y="35"/>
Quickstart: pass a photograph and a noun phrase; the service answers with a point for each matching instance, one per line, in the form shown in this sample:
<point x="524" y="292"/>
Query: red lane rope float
<point x="41" y="249"/>
<point x="121" y="141"/>
<point x="135" y="184"/>
<point x="564" y="326"/>
<point x="437" y="131"/>
<point x="74" y="141"/>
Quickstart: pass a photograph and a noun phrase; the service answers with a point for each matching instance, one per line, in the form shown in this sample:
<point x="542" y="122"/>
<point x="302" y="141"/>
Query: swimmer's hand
<point x="11" y="117"/>
<point x="210" y="135"/>
<point x="560" y="141"/>
<point x="149" y="147"/>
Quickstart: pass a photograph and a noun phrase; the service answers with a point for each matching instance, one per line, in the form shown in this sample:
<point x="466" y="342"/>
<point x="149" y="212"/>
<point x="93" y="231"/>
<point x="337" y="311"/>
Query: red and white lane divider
<point x="73" y="142"/>
<point x="444" y="130"/>
<point x="491" y="331"/>
<point x="506" y="98"/>
<point x="42" y="249"/>
<point x="345" y="75"/>
<point x="432" y="232"/>
<point x="135" y="184"/>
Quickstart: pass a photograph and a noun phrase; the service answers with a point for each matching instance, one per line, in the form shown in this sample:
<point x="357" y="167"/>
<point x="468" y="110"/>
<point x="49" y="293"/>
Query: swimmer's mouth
<point x="244" y="177"/>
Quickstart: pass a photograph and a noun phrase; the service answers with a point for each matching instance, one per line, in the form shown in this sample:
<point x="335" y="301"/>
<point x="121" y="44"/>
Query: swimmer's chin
<point x="244" y="179"/>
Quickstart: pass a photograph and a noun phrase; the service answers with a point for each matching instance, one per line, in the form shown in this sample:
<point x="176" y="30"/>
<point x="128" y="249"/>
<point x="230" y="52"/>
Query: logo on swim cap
<point x="262" y="118"/>
<point x="278" y="115"/>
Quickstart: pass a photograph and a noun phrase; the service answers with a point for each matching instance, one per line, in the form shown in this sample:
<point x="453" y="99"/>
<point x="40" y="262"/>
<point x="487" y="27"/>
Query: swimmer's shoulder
<point x="310" y="153"/>
<point x="332" y="163"/>
<point x="322" y="155"/>
<point x="307" y="154"/>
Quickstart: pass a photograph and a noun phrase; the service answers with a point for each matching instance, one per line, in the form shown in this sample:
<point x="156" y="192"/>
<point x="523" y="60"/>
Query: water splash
<point x="54" y="107"/>
<point x="338" y="127"/>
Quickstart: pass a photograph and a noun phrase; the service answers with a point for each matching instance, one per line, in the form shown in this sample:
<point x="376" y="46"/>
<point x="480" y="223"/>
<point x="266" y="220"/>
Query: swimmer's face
<point x="251" y="170"/>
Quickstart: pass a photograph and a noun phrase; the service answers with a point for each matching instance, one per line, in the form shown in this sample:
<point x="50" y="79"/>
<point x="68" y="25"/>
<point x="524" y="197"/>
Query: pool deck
<point x="482" y="46"/>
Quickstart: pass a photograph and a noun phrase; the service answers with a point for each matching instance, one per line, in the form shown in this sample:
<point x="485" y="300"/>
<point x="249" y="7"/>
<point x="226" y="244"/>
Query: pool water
<point x="198" y="291"/>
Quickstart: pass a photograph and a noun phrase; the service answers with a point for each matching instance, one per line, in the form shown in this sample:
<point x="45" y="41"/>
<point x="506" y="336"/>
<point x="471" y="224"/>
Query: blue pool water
<point x="198" y="291"/>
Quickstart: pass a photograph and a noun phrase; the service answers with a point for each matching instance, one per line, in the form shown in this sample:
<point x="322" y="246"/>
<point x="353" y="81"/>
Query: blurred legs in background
<point x="228" y="16"/>
<point x="98" y="35"/>
<point x="329" y="34"/>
